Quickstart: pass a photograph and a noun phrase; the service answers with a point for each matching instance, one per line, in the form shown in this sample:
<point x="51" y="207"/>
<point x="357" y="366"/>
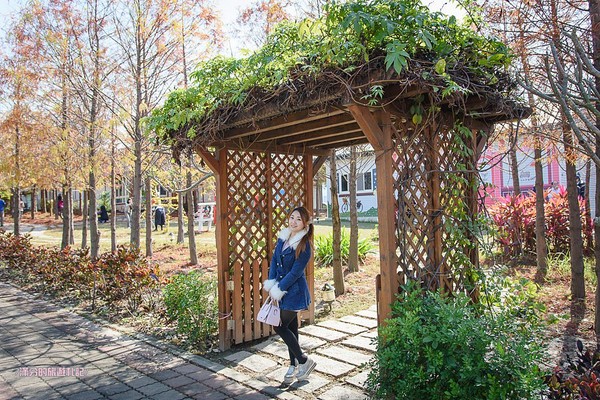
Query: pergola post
<point x="310" y="268"/>
<point x="222" y="250"/>
<point x="379" y="132"/>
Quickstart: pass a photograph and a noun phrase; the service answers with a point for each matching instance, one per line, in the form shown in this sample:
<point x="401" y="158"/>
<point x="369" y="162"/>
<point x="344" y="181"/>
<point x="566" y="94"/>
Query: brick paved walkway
<point x="48" y="353"/>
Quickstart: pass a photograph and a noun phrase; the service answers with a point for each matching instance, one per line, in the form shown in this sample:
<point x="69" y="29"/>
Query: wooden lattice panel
<point x="261" y="190"/>
<point x="425" y="186"/>
<point x="287" y="182"/>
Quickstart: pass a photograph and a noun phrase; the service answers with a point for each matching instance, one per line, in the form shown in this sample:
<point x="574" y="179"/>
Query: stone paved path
<point x="48" y="353"/>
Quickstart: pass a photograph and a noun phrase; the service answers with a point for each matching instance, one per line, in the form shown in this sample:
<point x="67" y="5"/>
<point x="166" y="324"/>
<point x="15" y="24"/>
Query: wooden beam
<point x="321" y="134"/>
<point x="281" y="122"/>
<point x="208" y="158"/>
<point x="339" y="140"/>
<point x="318" y="163"/>
<point x="397" y="92"/>
<point x="386" y="202"/>
<point x="273" y="148"/>
<point x="368" y="124"/>
<point x="303" y="128"/>
<point x="347" y="143"/>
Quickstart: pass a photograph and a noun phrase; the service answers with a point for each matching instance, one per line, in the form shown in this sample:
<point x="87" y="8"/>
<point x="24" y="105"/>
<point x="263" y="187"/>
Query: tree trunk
<point x="541" y="247"/>
<point x="148" y="217"/>
<point x="66" y="233"/>
<point x="180" y="235"/>
<point x="353" y="249"/>
<point x="113" y="197"/>
<point x="44" y="200"/>
<point x="17" y="187"/>
<point x="190" y="217"/>
<point x="33" y="205"/>
<point x="594" y="10"/>
<point x="71" y="219"/>
<point x="16" y="210"/>
<point x="576" y="242"/>
<point x="55" y="203"/>
<point x="514" y="165"/>
<point x="93" y="207"/>
<point x="84" y="214"/>
<point x="338" y="272"/>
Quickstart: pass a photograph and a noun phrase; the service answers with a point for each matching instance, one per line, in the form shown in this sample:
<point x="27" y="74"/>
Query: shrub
<point x="123" y="276"/>
<point x="514" y="217"/>
<point x="580" y="379"/>
<point x="190" y="300"/>
<point x="324" y="249"/>
<point x="437" y="347"/>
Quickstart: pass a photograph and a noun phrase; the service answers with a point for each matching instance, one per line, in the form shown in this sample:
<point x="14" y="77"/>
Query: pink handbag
<point x="269" y="312"/>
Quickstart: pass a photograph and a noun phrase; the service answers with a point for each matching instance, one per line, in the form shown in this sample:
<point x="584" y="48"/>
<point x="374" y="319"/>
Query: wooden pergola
<point x="265" y="155"/>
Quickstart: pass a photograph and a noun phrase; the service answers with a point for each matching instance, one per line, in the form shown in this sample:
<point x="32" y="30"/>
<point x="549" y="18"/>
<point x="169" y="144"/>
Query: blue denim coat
<point x="289" y="272"/>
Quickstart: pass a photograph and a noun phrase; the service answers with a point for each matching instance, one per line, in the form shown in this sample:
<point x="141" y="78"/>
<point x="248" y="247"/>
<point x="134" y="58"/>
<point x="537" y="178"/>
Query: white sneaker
<point x="290" y="375"/>
<point x="305" y="369"/>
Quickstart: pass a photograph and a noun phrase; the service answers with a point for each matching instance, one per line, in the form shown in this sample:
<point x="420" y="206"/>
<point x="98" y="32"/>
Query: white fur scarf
<point x="293" y="240"/>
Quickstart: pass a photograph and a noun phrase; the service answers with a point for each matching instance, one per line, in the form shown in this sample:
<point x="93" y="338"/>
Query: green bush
<point x="190" y="300"/>
<point x="324" y="249"/>
<point x="436" y="347"/>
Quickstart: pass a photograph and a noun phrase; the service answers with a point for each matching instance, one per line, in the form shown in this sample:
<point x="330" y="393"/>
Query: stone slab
<point x="343" y="393"/>
<point x="367" y="314"/>
<point x="331" y="367"/>
<point x="370" y="334"/>
<point x="314" y="382"/>
<point x="342" y="353"/>
<point x="359" y="379"/>
<point x="253" y="362"/>
<point x="361" y="342"/>
<point x="343" y="327"/>
<point x="366" y="322"/>
<point x="310" y="342"/>
<point x="273" y="347"/>
<point x="323" y="333"/>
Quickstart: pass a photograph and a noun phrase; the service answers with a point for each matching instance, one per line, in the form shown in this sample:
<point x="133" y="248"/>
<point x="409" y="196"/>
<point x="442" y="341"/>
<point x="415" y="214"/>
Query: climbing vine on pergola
<point x="421" y="88"/>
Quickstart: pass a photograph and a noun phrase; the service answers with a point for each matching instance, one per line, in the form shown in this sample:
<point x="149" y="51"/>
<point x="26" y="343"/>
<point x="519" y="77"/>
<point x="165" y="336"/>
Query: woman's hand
<point x="268" y="284"/>
<point x="276" y="293"/>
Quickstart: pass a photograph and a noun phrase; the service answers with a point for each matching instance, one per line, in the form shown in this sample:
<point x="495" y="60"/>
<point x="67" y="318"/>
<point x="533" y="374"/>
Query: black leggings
<point x="288" y="330"/>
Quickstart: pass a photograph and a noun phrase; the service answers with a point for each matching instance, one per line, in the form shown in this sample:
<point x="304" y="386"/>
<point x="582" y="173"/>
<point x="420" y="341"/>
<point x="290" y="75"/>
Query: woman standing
<point x="287" y="284"/>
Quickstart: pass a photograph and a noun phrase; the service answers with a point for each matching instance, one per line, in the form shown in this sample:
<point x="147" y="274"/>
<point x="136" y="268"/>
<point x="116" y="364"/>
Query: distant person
<point x="2" y="207"/>
<point x="103" y="214"/>
<point x="580" y="187"/>
<point x="60" y="204"/>
<point x="554" y="191"/>
<point x="159" y="217"/>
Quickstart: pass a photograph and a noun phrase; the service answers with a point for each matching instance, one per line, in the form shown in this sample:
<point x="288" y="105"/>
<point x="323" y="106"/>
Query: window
<point x="344" y="183"/>
<point x="364" y="181"/>
<point x="368" y="184"/>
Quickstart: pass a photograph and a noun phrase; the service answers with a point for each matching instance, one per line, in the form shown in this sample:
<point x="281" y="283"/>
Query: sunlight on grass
<point x="561" y="264"/>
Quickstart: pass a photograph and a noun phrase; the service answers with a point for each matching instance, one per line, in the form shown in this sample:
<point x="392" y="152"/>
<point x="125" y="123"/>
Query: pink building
<point x="495" y="171"/>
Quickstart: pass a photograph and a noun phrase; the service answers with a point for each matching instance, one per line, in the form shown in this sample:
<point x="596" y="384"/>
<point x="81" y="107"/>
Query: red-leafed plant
<point x="122" y="276"/>
<point x="579" y="379"/>
<point x="514" y="217"/>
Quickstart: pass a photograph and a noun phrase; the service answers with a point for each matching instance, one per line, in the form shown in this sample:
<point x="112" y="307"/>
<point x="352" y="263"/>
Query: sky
<point x="228" y="8"/>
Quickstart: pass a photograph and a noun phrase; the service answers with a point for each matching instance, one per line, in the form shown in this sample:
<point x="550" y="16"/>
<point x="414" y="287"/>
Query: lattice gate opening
<point x="261" y="190"/>
<point x="427" y="185"/>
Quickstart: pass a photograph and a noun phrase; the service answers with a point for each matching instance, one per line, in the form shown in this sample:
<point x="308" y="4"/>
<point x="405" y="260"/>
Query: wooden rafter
<point x="305" y="127"/>
<point x="322" y="134"/>
<point x="368" y="124"/>
<point x="280" y="122"/>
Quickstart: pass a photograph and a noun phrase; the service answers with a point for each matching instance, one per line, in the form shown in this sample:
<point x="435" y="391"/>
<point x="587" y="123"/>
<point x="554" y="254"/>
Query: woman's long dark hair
<point x="308" y="238"/>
